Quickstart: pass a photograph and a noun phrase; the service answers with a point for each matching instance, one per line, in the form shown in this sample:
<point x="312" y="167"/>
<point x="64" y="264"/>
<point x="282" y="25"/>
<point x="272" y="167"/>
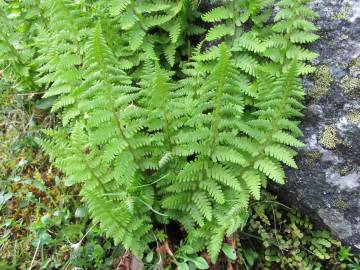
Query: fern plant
<point x="157" y="30"/>
<point x="161" y="127"/>
<point x="112" y="160"/>
<point x="15" y="53"/>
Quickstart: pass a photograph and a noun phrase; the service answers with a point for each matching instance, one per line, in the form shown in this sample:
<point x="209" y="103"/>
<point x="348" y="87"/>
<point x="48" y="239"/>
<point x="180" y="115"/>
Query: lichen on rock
<point x="351" y="86"/>
<point x="355" y="68"/>
<point x="353" y="117"/>
<point x="339" y="203"/>
<point x="322" y="78"/>
<point x="344" y="13"/>
<point x="329" y="138"/>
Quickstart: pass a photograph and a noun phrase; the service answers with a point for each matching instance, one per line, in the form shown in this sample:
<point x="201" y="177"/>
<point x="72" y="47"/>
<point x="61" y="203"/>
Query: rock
<point x="327" y="184"/>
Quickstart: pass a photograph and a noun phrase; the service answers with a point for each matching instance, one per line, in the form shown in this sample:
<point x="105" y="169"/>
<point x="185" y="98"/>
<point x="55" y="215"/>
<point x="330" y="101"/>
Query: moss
<point x="314" y="155"/>
<point x="354" y="70"/>
<point x="339" y="203"/>
<point x="344" y="13"/>
<point x="344" y="170"/>
<point x="356" y="62"/>
<point x="329" y="139"/>
<point x="312" y="158"/>
<point x="323" y="80"/>
<point x="351" y="86"/>
<point x="353" y="117"/>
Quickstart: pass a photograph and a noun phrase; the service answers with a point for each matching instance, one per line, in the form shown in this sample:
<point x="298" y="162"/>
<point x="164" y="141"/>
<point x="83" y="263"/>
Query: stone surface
<point x="327" y="185"/>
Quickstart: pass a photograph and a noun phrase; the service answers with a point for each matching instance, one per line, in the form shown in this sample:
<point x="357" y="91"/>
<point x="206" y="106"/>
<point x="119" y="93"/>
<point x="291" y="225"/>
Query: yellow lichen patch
<point x="339" y="203"/>
<point x="353" y="117"/>
<point x="322" y="82"/>
<point x="355" y="68"/>
<point x="329" y="139"/>
<point x="350" y="85"/>
<point x="344" y="13"/>
<point x="357" y="62"/>
<point x="312" y="158"/>
<point x="344" y="170"/>
<point x="314" y="155"/>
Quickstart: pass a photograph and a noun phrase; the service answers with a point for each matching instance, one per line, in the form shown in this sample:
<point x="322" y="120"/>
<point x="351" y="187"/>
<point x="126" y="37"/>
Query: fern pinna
<point x="156" y="137"/>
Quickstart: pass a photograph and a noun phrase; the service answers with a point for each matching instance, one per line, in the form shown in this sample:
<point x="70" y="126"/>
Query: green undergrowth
<point x="44" y="224"/>
<point x="42" y="221"/>
<point x="278" y="237"/>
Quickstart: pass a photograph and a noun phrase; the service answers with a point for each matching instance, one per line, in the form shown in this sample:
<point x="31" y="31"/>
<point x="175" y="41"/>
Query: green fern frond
<point x="285" y="138"/>
<point x="217" y="14"/>
<point x="253" y="182"/>
<point x="218" y="32"/>
<point x="303" y="37"/>
<point x="118" y="6"/>
<point x="272" y="169"/>
<point x="282" y="154"/>
<point x="250" y="42"/>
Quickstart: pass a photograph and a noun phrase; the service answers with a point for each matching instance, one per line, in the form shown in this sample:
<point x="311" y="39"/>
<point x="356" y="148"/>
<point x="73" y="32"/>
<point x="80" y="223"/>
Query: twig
<point x="36" y="251"/>
<point x="27" y="94"/>
<point x="75" y="247"/>
<point x="159" y="263"/>
<point x="161" y="178"/>
<point x="152" y="209"/>
<point x="274" y="202"/>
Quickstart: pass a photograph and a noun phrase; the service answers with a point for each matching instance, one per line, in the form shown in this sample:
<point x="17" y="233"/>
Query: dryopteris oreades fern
<point x="60" y="48"/>
<point x="172" y="21"/>
<point x="104" y="150"/>
<point x="150" y="150"/>
<point x="14" y="54"/>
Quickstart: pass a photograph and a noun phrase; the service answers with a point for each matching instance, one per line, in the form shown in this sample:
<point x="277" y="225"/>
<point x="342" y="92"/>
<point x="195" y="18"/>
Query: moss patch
<point x="314" y="155"/>
<point x="329" y="138"/>
<point x="353" y="117"/>
<point x="344" y="13"/>
<point x="351" y="86"/>
<point x="357" y="62"/>
<point x="355" y="68"/>
<point x="339" y="203"/>
<point x="344" y="170"/>
<point x="323" y="80"/>
<point x="312" y="158"/>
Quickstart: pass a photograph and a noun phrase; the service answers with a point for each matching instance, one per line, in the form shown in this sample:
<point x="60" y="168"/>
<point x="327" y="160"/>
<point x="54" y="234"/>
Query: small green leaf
<point x="250" y="256"/>
<point x="45" y="219"/>
<point x="183" y="266"/>
<point x="46" y="103"/>
<point x="44" y="238"/>
<point x="4" y="198"/>
<point x="229" y="252"/>
<point x="200" y="263"/>
<point x="39" y="185"/>
<point x="69" y="181"/>
<point x="80" y="212"/>
<point x="149" y="257"/>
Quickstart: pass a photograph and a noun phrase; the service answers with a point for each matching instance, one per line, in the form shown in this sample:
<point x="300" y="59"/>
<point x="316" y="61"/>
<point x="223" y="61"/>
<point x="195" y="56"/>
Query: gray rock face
<point x="327" y="185"/>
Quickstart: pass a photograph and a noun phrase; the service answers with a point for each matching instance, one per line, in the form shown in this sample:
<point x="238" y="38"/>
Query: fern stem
<point x="113" y="109"/>
<point x="122" y="134"/>
<point x="274" y="128"/>
<point x="139" y="16"/>
<point x="219" y="93"/>
<point x="95" y="176"/>
<point x="234" y="21"/>
<point x="152" y="209"/>
<point x="169" y="146"/>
